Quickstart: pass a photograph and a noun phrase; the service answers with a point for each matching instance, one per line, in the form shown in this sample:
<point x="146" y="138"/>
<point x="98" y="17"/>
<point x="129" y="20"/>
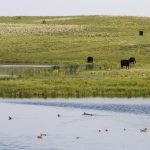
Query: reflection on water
<point x="4" y="75"/>
<point x="11" y="70"/>
<point x="26" y="66"/>
<point x="134" y="106"/>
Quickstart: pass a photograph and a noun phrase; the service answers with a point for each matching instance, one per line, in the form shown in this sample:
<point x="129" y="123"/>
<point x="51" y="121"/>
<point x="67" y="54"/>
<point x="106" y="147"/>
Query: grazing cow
<point x="90" y="59"/>
<point x="132" y="60"/>
<point x="124" y="63"/>
<point x="141" y="33"/>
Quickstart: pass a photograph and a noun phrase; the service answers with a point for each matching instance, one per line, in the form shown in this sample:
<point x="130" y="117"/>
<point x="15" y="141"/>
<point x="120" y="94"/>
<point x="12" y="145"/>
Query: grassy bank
<point x="68" y="41"/>
<point x="108" y="83"/>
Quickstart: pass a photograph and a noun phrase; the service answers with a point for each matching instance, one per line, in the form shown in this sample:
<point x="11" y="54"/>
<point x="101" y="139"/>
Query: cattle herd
<point x="123" y="62"/>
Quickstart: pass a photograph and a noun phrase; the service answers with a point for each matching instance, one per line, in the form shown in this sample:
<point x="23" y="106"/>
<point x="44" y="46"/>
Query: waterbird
<point x="9" y="118"/>
<point x="143" y="130"/>
<point x="39" y="136"/>
<point x="88" y="114"/>
<point x="43" y="134"/>
<point x="106" y="130"/>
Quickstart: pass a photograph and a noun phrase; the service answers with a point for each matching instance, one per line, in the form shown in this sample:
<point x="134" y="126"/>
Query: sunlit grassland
<point x="81" y="83"/>
<point x="69" y="41"/>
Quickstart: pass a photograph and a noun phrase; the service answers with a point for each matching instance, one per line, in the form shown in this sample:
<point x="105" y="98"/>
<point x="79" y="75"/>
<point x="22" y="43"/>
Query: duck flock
<point x="41" y="135"/>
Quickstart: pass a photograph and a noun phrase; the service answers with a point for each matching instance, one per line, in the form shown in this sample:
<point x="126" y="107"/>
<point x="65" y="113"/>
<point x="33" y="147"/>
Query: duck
<point x="9" y="118"/>
<point x="43" y="134"/>
<point x="87" y="114"/>
<point x="40" y="136"/>
<point x="143" y="130"/>
<point x="106" y="130"/>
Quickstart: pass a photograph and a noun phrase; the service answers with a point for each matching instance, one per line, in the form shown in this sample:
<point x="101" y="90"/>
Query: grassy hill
<point x="70" y="40"/>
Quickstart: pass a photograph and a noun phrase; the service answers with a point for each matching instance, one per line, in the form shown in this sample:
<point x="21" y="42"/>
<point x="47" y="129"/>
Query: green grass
<point x="70" y="40"/>
<point x="76" y="86"/>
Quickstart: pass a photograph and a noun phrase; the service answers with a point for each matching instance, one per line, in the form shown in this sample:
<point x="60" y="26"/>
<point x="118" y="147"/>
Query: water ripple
<point x="137" y="108"/>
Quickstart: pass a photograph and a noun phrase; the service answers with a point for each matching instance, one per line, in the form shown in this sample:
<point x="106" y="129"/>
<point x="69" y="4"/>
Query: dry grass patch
<point x="27" y="29"/>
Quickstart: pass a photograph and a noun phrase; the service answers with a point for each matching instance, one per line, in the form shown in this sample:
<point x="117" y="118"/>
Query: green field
<point x="67" y="42"/>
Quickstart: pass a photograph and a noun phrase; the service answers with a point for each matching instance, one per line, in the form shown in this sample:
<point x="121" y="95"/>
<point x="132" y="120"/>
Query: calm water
<point x="18" y="69"/>
<point x="35" y="116"/>
<point x="26" y="66"/>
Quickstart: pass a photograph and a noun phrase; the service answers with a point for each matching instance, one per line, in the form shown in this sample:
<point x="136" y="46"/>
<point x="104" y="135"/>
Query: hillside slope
<point x="61" y="40"/>
<point x="68" y="41"/>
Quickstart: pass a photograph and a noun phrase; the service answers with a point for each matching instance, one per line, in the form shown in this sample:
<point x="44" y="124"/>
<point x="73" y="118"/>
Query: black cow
<point x="90" y="59"/>
<point x="124" y="63"/>
<point x="140" y="33"/>
<point x="132" y="60"/>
